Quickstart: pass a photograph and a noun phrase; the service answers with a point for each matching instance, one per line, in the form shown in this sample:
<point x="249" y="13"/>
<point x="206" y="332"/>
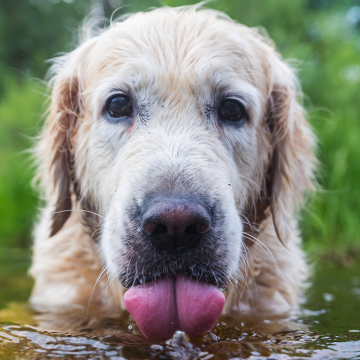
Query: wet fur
<point x="255" y="177"/>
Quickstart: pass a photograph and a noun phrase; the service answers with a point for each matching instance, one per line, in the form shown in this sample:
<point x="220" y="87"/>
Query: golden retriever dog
<point x="173" y="162"/>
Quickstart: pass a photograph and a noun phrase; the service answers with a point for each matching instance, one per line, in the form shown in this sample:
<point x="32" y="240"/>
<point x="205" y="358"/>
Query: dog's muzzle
<point x="174" y="248"/>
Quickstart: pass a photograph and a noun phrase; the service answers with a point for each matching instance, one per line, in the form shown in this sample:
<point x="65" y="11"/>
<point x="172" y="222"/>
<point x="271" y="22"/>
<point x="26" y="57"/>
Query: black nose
<point x="175" y="224"/>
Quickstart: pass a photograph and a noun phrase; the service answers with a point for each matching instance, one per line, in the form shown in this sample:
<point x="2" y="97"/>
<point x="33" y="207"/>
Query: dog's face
<point x="175" y="151"/>
<point x="179" y="129"/>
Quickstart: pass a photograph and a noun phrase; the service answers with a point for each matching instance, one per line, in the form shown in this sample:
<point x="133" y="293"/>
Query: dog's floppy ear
<point x="292" y="159"/>
<point x="56" y="149"/>
<point x="65" y="110"/>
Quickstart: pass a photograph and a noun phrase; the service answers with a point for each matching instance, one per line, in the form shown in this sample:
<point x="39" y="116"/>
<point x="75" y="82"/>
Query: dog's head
<point x="182" y="130"/>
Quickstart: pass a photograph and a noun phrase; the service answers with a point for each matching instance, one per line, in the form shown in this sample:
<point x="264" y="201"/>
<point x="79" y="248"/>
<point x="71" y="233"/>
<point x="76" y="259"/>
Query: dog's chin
<point x="174" y="303"/>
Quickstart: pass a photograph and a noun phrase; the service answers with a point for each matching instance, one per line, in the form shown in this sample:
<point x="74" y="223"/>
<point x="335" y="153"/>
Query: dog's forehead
<point x="180" y="48"/>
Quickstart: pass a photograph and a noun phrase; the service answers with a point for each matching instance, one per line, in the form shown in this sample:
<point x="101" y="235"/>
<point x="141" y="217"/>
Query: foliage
<point x="33" y="31"/>
<point x="322" y="34"/>
<point x="20" y="111"/>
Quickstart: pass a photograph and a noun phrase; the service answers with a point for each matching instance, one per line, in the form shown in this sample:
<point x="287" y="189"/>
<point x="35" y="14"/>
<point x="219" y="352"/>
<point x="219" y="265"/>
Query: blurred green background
<point x="322" y="35"/>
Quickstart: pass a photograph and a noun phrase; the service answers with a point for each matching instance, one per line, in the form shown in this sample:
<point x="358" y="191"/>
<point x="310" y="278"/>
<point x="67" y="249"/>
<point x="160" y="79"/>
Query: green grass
<point x="20" y="110"/>
<point x="15" y="285"/>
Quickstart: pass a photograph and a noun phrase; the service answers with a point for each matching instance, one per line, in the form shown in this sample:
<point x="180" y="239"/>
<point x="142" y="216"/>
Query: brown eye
<point x="231" y="110"/>
<point x="119" y="106"/>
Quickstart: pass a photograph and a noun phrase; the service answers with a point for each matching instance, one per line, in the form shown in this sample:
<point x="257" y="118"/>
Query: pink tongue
<point x="171" y="304"/>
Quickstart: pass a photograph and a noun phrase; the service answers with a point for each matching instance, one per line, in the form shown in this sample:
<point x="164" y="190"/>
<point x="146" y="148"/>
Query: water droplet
<point x="130" y="327"/>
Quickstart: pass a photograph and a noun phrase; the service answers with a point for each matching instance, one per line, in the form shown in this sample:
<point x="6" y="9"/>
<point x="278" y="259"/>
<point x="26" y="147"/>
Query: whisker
<point x="95" y="231"/>
<point x="91" y="212"/>
<point x="248" y="287"/>
<point x="252" y="225"/>
<point x="261" y="245"/>
<point x="243" y="279"/>
<point x="92" y="292"/>
<point x="110" y="280"/>
<point x="136" y="273"/>
<point x="249" y="267"/>
<point x="251" y="181"/>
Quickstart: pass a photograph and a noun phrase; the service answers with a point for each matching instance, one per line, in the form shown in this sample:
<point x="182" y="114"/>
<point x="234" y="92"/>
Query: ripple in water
<point x="224" y="342"/>
<point x="333" y="332"/>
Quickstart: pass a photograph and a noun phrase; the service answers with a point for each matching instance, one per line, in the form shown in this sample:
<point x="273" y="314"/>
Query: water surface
<point x="328" y="326"/>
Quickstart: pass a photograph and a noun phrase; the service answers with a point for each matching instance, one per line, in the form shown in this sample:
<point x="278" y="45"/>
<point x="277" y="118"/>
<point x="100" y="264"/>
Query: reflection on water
<point x="328" y="328"/>
<point x="224" y="342"/>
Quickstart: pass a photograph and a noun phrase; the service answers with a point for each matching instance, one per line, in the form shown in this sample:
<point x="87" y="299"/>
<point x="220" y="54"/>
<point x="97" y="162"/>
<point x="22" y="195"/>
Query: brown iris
<point x="231" y="110"/>
<point x="119" y="106"/>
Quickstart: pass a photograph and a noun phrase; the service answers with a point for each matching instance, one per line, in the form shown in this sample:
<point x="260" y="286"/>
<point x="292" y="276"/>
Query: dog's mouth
<point x="176" y="264"/>
<point x="174" y="303"/>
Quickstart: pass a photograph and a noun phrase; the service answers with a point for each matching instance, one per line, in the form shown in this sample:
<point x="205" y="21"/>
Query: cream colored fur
<point x="176" y="61"/>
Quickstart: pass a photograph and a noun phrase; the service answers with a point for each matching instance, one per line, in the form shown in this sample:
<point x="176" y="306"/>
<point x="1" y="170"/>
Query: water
<point x="327" y="327"/>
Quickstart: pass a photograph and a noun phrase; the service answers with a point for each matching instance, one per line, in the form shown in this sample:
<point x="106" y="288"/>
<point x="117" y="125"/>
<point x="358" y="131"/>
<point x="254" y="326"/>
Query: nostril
<point x="175" y="223"/>
<point x="190" y="230"/>
<point x="161" y="230"/>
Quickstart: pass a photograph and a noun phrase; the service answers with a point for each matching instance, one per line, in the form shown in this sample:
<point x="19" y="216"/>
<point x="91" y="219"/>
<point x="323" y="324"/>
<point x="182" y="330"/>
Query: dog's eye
<point x="231" y="110"/>
<point x="118" y="106"/>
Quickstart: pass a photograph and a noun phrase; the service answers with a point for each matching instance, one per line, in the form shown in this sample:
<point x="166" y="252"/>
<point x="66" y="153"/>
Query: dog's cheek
<point x="95" y="169"/>
<point x="111" y="247"/>
<point x="233" y="234"/>
<point x="114" y="229"/>
<point x="112" y="137"/>
<point x="108" y="242"/>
